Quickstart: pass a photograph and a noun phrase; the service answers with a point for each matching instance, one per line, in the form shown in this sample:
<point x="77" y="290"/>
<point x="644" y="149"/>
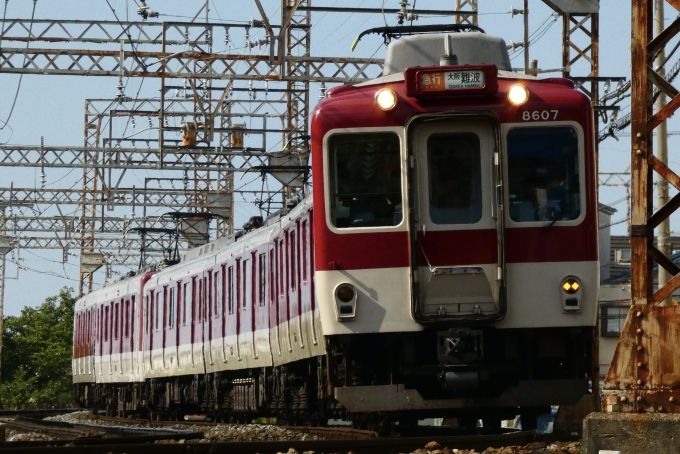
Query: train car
<point x="446" y="264"/>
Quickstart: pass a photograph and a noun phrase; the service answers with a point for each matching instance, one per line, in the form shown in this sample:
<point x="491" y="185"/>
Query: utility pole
<point x="663" y="238"/>
<point x="526" y="36"/>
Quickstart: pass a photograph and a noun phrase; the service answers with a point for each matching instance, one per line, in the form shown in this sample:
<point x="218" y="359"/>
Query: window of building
<point x="612" y="320"/>
<point x="365" y="180"/>
<point x="543" y="174"/>
<point x="623" y="256"/>
<point x="455" y="178"/>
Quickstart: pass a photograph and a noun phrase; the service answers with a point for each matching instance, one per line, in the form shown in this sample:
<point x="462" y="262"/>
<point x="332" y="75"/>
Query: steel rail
<point x="368" y="446"/>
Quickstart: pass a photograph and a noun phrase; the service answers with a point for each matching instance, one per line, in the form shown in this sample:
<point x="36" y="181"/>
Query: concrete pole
<point x="526" y="36"/>
<point x="3" y="263"/>
<point x="663" y="237"/>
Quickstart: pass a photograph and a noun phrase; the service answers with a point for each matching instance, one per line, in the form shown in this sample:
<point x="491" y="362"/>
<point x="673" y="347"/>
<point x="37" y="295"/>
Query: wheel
<point x="528" y="420"/>
<point x="491" y="423"/>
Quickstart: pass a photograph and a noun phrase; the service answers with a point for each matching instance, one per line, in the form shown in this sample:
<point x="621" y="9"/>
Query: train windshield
<point x="543" y="174"/>
<point x="455" y="174"/>
<point x="365" y="180"/>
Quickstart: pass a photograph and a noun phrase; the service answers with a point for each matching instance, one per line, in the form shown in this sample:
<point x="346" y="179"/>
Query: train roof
<point x="470" y="48"/>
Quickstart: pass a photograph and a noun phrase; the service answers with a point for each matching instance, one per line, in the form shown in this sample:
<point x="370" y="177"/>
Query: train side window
<point x="238" y="284"/>
<point x="106" y="324"/>
<point x="279" y="268"/>
<point x="147" y="316"/>
<point x="193" y="300"/>
<point x="158" y="304"/>
<point x="365" y="180"/>
<point x="184" y="302"/>
<point x="272" y="278"/>
<point x="223" y="287"/>
<point x="231" y="290"/>
<point x="263" y="279"/>
<point x="303" y="241"/>
<point x="253" y="277"/>
<point x="127" y="319"/>
<point x="216" y="305"/>
<point x="132" y="317"/>
<point x="543" y="174"/>
<point x="455" y="178"/>
<point x="247" y="284"/>
<point x="292" y="244"/>
<point x="116" y="310"/>
<point x="171" y="309"/>
<point x="209" y="292"/>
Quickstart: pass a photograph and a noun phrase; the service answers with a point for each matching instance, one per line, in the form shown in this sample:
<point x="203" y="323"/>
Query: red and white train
<point x="445" y="265"/>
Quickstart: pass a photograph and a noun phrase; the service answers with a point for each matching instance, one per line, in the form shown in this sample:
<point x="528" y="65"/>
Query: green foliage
<point x="36" y="355"/>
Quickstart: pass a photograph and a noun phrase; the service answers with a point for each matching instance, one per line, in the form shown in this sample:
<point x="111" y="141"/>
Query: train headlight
<point x="345" y="293"/>
<point x="571" y="294"/>
<point x="518" y="94"/>
<point x="345" y="301"/>
<point x="386" y="99"/>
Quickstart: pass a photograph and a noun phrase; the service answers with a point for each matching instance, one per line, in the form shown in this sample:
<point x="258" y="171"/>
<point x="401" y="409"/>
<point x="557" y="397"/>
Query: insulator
<point x="411" y="16"/>
<point x="132" y="121"/>
<point x="607" y="86"/>
<point x="226" y="36"/>
<point x="150" y="123"/>
<point x="322" y="89"/>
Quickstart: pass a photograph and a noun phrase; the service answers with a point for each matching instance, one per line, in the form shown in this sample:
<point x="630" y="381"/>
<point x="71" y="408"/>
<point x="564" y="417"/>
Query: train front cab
<point x="473" y="285"/>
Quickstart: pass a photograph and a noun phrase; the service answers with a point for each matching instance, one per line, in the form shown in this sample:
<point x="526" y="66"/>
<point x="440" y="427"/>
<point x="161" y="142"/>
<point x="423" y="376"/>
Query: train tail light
<point x="386" y="99"/>
<point x="518" y="94"/>
<point x="346" y="301"/>
<point x="572" y="292"/>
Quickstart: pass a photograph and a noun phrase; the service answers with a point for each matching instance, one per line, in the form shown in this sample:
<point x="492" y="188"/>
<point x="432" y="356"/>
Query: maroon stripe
<point x="361" y="250"/>
<point x="460" y="247"/>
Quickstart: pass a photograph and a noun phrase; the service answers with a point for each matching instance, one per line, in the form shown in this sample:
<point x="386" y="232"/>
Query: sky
<point x="52" y="106"/>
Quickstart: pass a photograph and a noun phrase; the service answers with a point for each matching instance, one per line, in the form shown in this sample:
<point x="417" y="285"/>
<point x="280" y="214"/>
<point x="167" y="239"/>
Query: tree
<point x="36" y="354"/>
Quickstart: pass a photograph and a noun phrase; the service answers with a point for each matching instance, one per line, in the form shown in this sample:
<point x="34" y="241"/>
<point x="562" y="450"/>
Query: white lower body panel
<point x="383" y="301"/>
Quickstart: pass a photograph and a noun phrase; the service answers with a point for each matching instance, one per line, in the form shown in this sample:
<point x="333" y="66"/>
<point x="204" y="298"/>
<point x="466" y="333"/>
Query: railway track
<point x="136" y="436"/>
<point x="334" y="433"/>
<point x="364" y="446"/>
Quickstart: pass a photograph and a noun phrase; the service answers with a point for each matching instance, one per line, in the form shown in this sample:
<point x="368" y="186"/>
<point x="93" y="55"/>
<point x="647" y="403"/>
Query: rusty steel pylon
<point x="645" y="373"/>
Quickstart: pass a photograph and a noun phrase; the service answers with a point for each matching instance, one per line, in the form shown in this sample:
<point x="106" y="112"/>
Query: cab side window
<point x="543" y="174"/>
<point x="365" y="180"/>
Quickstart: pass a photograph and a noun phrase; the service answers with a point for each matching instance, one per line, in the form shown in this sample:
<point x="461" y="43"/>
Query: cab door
<point x="457" y="233"/>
